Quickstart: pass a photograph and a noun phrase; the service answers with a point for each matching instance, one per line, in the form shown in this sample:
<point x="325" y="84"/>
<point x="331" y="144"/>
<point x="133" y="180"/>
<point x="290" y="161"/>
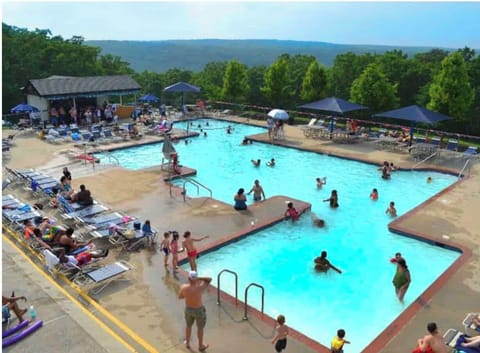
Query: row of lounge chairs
<point x="454" y="338"/>
<point x="93" y="222"/>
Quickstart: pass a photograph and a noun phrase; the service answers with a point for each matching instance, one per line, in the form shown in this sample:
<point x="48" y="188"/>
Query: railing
<point x="246" y="297"/>
<point x="197" y="185"/>
<point x="236" y="285"/>
<point x="424" y="160"/>
<point x="463" y="169"/>
<point x="111" y="156"/>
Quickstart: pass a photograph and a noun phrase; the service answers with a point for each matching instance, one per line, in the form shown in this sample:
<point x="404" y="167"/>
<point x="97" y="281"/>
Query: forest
<point x="443" y="81"/>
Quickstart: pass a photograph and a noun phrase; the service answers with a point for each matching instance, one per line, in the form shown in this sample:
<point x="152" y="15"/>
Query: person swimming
<point x="321" y="182"/>
<point x="256" y="163"/>
<point x="320" y="223"/>
<point x="271" y="163"/>
<point x="391" y="210"/>
<point x="323" y="265"/>
<point x="429" y="180"/>
<point x="333" y="199"/>
<point x="374" y="195"/>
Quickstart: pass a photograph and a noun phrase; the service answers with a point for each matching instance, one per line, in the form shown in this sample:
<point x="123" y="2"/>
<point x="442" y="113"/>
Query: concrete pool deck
<point x="148" y="304"/>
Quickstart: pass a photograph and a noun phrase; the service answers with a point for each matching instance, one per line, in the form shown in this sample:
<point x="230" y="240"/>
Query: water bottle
<point x="32" y="312"/>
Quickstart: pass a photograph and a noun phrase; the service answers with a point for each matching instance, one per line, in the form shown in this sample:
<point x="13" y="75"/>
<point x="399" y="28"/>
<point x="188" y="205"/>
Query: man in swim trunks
<point x="322" y="264"/>
<point x="191" y="250"/>
<point x="257" y="191"/>
<point x="431" y="343"/>
<point x="194" y="309"/>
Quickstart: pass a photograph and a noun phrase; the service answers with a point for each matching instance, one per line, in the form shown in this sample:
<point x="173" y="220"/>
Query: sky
<point x="439" y="24"/>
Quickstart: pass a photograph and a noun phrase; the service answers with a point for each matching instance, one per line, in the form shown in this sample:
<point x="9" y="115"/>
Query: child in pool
<point x="374" y="195"/>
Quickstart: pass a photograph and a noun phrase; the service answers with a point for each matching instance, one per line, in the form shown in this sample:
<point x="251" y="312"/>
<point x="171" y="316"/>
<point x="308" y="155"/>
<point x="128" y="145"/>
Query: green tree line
<point x="445" y="82"/>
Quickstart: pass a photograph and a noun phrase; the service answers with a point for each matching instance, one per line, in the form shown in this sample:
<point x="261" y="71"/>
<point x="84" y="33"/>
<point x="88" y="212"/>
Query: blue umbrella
<point x="182" y="87"/>
<point x="333" y="105"/>
<point x="149" y="98"/>
<point x="24" y="108"/>
<point x="414" y="114"/>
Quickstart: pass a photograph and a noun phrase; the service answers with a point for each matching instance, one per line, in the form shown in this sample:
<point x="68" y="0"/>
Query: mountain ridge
<point x="194" y="54"/>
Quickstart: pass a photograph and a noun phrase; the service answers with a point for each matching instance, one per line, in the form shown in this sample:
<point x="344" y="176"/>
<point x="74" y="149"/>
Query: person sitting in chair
<point x="81" y="259"/>
<point x="83" y="197"/>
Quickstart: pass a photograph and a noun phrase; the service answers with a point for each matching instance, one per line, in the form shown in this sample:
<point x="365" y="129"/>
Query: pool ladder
<point x="245" y="317"/>
<point x="197" y="184"/>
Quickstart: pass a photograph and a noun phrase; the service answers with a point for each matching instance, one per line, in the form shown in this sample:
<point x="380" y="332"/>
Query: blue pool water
<point x="362" y="299"/>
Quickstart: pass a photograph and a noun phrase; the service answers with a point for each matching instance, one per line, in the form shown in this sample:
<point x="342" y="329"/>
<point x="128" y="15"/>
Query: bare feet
<point x="187" y="345"/>
<point x="202" y="348"/>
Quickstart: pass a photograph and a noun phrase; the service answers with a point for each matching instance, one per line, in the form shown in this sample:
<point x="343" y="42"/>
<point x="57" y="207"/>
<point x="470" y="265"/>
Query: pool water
<point x="361" y="300"/>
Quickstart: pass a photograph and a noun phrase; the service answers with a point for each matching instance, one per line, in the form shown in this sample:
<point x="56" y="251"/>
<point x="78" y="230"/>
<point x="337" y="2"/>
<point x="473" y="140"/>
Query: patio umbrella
<point x="414" y="114"/>
<point x="182" y="87"/>
<point x="149" y="98"/>
<point x="278" y="114"/>
<point x="24" y="108"/>
<point x="333" y="105"/>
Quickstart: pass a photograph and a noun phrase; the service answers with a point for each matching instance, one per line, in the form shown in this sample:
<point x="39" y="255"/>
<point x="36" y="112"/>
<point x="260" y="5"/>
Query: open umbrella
<point x="182" y="87"/>
<point x="414" y="114"/>
<point x="24" y="108"/>
<point x="149" y="98"/>
<point x="278" y="114"/>
<point x="333" y="105"/>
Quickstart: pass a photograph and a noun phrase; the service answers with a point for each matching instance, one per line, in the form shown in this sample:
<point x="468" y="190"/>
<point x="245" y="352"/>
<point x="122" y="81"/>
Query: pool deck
<point x="147" y="304"/>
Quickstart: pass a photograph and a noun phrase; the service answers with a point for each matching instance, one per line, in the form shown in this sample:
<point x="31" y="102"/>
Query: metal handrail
<point x="197" y="184"/>
<point x="424" y="160"/>
<point x="463" y="169"/>
<point x="184" y="191"/>
<point x="111" y="156"/>
<point x="236" y="285"/>
<point x="246" y="297"/>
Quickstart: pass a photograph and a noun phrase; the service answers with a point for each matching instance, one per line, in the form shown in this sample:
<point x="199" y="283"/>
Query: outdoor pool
<point x="280" y="258"/>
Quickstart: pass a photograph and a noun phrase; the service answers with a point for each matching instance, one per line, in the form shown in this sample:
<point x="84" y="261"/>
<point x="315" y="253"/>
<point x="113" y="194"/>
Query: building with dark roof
<point x="69" y="90"/>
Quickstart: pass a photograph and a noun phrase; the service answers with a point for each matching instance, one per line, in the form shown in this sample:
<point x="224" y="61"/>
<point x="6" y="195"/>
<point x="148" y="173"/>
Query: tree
<point x="451" y="92"/>
<point x="373" y="89"/>
<point x="297" y="69"/>
<point x="235" y="82"/>
<point x="314" y="83"/>
<point x="256" y="77"/>
<point x="211" y="79"/>
<point x="276" y="87"/>
<point x="346" y="68"/>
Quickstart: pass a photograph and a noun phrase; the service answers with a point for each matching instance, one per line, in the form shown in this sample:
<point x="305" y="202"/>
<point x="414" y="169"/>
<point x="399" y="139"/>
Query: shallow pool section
<point x="361" y="300"/>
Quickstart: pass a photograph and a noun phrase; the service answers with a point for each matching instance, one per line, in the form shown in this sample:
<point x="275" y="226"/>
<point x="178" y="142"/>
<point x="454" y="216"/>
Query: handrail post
<point x="218" y="285"/>
<point x="463" y="169"/>
<point x="424" y="160"/>
<point x="246" y="298"/>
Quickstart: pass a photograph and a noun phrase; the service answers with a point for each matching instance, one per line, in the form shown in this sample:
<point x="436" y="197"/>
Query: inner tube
<point x="14" y="339"/>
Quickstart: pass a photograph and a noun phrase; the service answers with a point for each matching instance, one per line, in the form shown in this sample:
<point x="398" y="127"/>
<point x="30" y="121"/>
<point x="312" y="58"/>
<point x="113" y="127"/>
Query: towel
<point x="50" y="259"/>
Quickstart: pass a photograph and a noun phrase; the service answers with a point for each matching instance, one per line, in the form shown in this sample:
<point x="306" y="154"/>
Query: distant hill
<point x="160" y="56"/>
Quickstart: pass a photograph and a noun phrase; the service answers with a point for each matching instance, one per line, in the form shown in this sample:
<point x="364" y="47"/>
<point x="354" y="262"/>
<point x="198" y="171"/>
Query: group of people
<point x="65" y="189"/>
<point x="275" y="128"/>
<point x="240" y="199"/>
<point x="258" y="162"/>
<point x="81" y="116"/>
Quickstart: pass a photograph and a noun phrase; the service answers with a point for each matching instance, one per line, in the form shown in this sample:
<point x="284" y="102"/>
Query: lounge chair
<point x="101" y="277"/>
<point x="454" y="339"/>
<point x="452" y="145"/>
<point x="468" y="322"/>
<point x="108" y="135"/>
<point x="98" y="221"/>
<point x="85" y="212"/>
<point x="470" y="151"/>
<point x="23" y="216"/>
<point x="5" y="184"/>
<point x="53" y="263"/>
<point x="129" y="237"/>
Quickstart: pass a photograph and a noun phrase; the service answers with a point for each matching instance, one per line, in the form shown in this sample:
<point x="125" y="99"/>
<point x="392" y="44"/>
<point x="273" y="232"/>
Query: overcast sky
<point x="444" y="24"/>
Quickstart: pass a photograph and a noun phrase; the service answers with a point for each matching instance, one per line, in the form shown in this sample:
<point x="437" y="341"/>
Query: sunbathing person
<point x="65" y="240"/>
<point x="473" y="342"/>
<point x="11" y="304"/>
<point x="323" y="265"/>
<point x="81" y="259"/>
<point x="83" y="197"/>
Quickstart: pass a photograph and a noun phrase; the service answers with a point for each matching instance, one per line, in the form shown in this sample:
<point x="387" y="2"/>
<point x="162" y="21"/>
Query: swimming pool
<point x="280" y="257"/>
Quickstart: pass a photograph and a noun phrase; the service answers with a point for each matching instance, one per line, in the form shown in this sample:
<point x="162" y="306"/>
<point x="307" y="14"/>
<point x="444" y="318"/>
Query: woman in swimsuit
<point x="333" y="199"/>
<point x="240" y="200"/>
<point x="401" y="280"/>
